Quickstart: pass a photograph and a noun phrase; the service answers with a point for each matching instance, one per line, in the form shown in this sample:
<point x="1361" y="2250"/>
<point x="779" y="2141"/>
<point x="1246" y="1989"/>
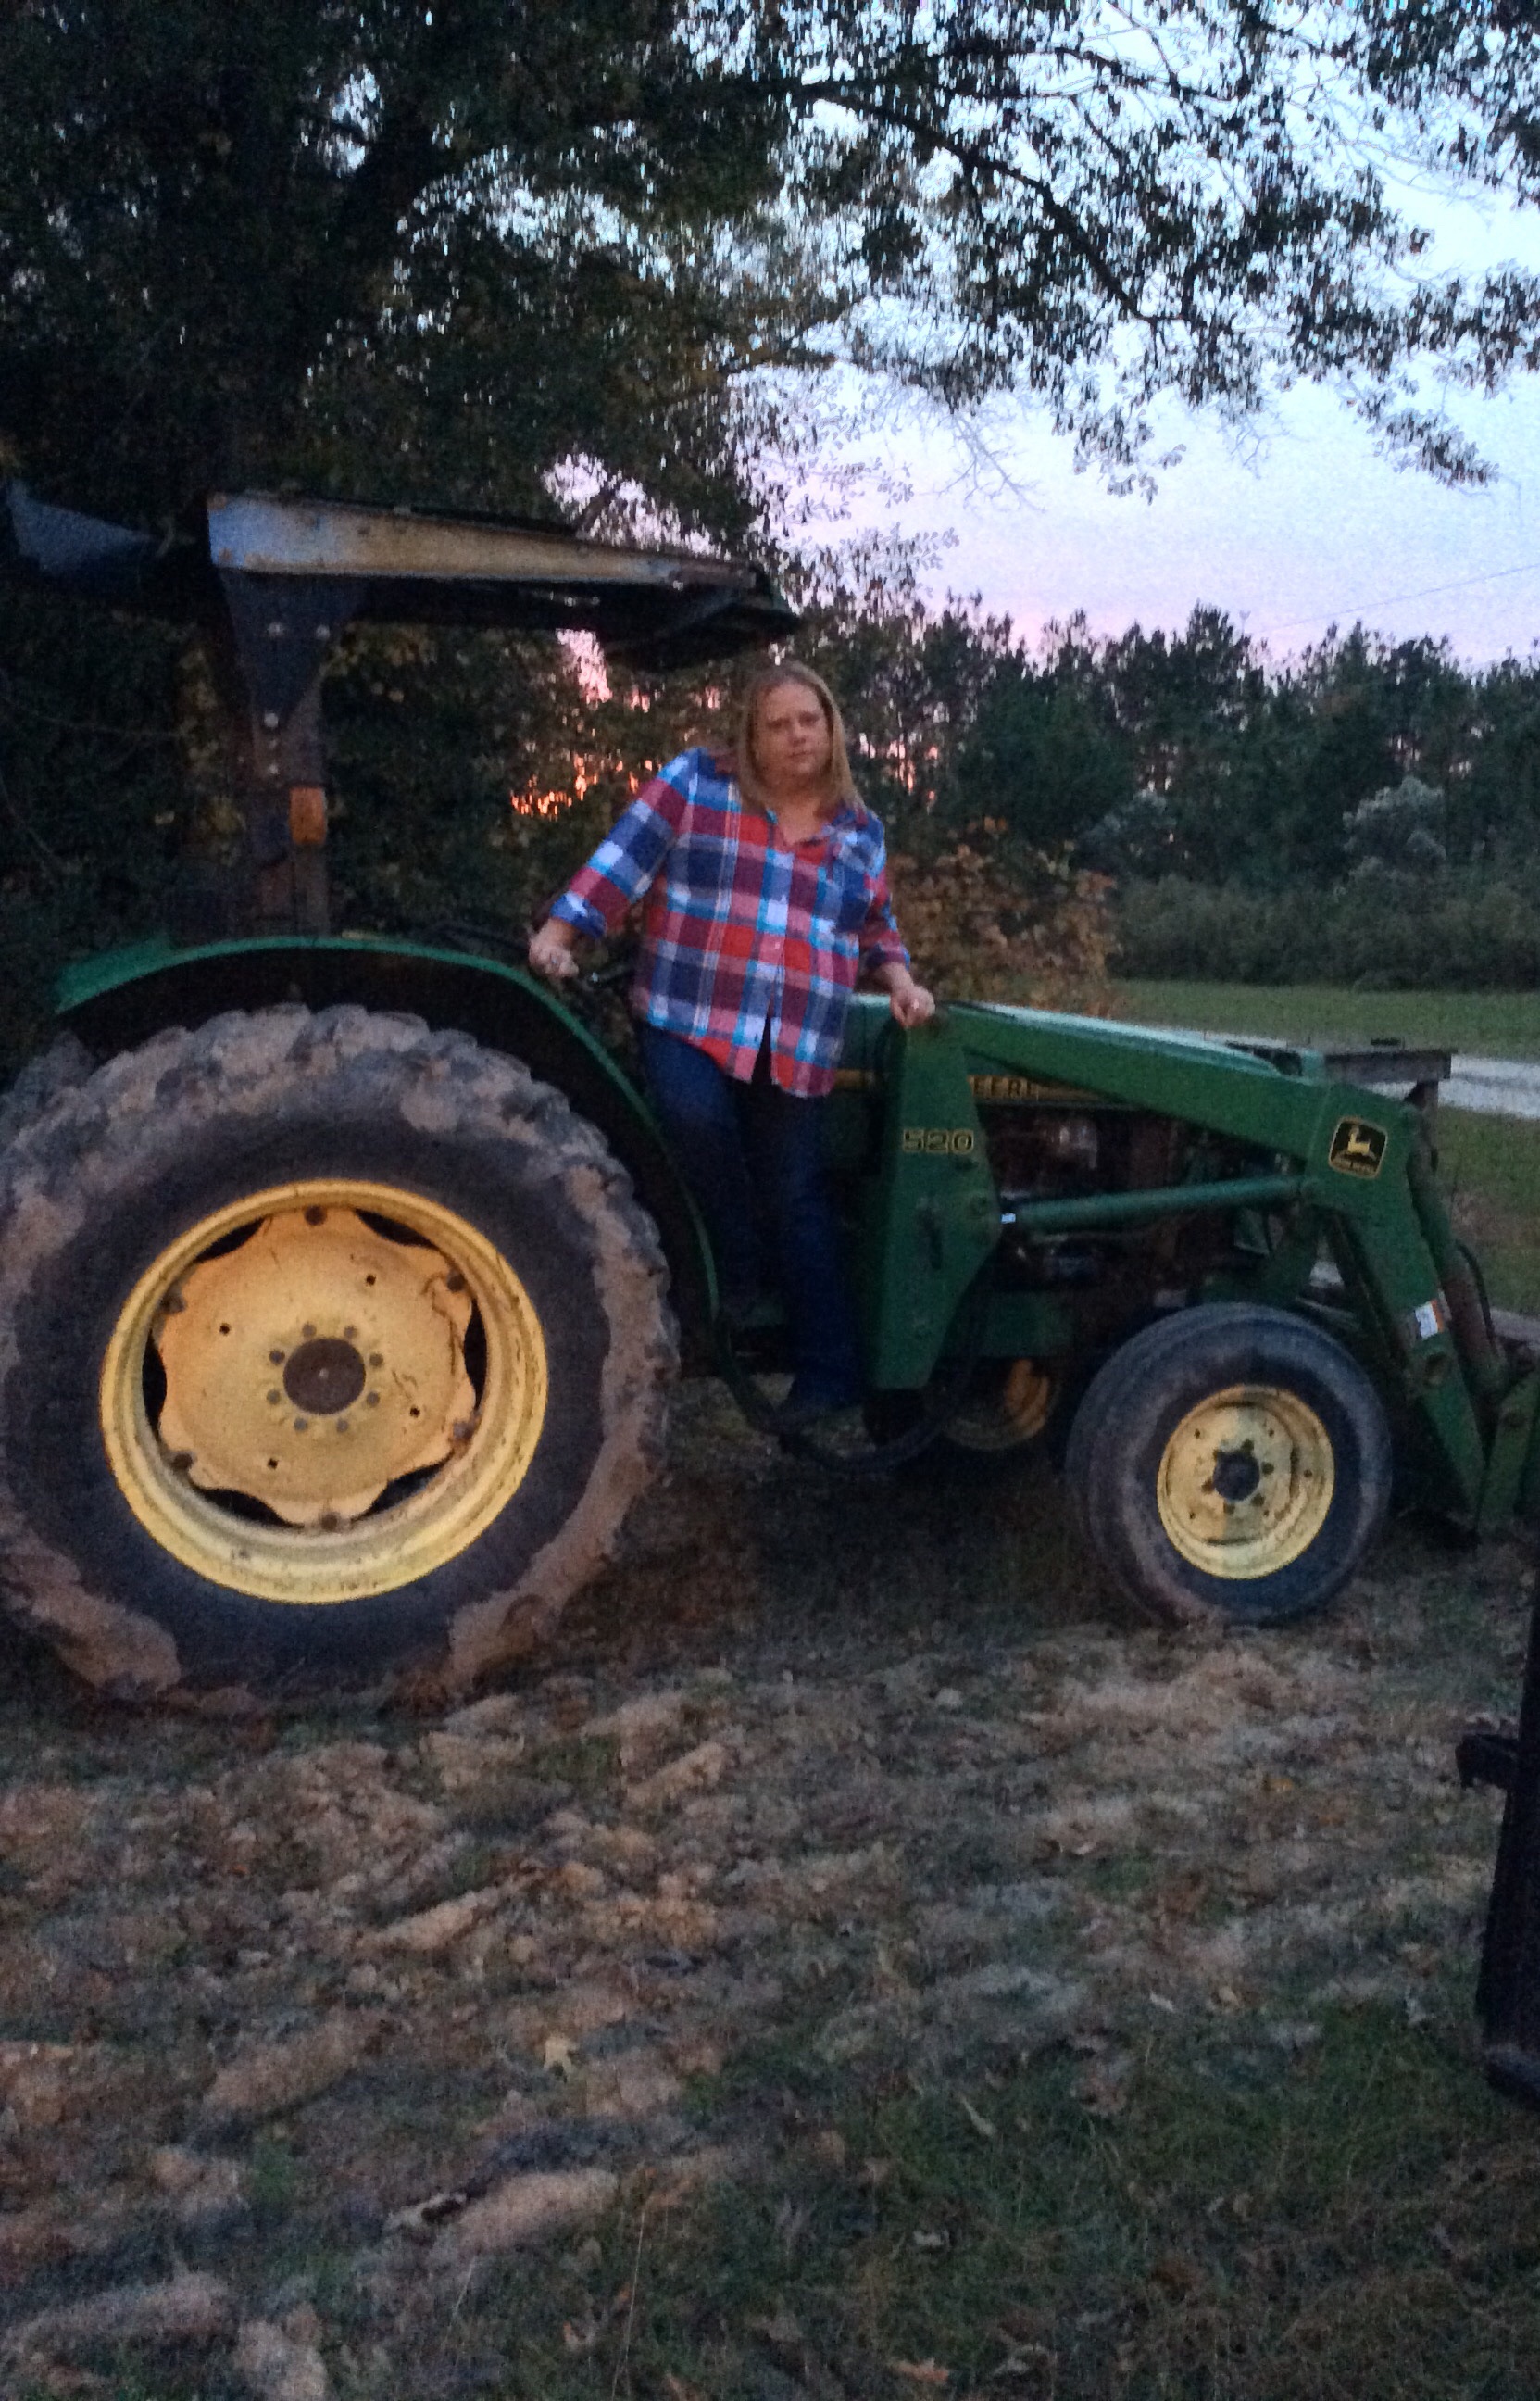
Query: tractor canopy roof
<point x="251" y="552"/>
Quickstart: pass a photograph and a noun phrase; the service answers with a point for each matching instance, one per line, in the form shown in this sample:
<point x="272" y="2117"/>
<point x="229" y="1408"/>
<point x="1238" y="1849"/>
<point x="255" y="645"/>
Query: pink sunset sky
<point x="1294" y="525"/>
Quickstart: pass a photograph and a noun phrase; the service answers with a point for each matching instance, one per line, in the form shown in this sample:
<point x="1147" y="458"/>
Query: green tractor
<point x="344" y="1279"/>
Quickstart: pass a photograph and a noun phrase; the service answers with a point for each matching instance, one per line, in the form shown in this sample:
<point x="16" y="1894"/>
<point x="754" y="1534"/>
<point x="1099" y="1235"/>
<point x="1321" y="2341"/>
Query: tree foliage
<point x="986" y="918"/>
<point x="381" y="248"/>
<point x="1104" y="203"/>
<point x="414" y="248"/>
<point x="513" y="255"/>
<point x="1370" y="809"/>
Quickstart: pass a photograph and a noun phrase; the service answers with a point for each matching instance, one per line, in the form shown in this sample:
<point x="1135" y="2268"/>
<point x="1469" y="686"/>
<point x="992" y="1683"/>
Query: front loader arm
<point x="1337" y="1162"/>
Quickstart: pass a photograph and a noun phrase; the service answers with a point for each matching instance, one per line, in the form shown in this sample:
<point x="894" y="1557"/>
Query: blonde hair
<point x="839" y="784"/>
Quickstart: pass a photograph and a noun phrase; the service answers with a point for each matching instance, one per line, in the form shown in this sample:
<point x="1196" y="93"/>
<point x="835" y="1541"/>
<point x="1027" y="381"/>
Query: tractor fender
<point x="114" y="1002"/>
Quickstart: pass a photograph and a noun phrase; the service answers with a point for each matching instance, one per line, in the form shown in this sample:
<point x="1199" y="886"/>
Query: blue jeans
<point x="734" y="1141"/>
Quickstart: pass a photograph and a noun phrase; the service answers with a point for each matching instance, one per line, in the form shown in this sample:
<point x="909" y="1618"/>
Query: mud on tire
<point x="112" y="1170"/>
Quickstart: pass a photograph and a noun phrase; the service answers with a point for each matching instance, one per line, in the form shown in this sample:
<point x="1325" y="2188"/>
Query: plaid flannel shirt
<point x="738" y="934"/>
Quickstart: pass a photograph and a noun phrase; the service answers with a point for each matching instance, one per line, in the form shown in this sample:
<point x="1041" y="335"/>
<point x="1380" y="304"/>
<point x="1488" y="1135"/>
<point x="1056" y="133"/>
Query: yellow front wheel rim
<point x="1011" y="1415"/>
<point x="1246" y="1482"/>
<point x="325" y="1390"/>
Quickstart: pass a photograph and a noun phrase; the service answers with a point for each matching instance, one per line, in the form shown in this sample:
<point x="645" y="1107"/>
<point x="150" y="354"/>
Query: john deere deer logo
<point x="1357" y="1148"/>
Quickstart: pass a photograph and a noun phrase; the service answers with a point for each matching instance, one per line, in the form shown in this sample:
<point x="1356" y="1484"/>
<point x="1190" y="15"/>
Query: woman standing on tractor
<point x="765" y="897"/>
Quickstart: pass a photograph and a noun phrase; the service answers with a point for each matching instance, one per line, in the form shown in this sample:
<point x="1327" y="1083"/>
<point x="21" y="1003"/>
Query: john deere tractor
<point x="343" y="1278"/>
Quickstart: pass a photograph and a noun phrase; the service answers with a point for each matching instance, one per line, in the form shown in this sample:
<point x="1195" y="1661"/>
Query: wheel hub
<point x="314" y="1364"/>
<point x="1237" y="1476"/>
<point x="324" y="1376"/>
<point x="1246" y="1481"/>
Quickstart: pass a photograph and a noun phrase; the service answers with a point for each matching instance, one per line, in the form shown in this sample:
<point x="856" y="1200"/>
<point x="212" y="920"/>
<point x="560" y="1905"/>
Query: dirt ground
<point x="307" y="2024"/>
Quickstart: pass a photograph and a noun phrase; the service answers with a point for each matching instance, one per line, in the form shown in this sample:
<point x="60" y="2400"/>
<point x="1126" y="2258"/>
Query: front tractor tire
<point x="332" y="1353"/>
<point x="1230" y="1465"/>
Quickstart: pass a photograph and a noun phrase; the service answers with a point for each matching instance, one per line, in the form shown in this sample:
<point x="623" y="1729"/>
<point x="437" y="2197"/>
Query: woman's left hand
<point x="911" y="1003"/>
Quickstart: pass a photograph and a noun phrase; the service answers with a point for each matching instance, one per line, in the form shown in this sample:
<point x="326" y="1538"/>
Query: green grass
<point x="274" y="2179"/>
<point x="1208" y="2217"/>
<point x="1501" y="1024"/>
<point x="1492" y="1167"/>
<point x="1205" y="2214"/>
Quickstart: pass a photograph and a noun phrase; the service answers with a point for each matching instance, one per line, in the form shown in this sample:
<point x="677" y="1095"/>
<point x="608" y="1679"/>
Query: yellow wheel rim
<point x="1246" y="1482"/>
<point x="1012" y="1415"/>
<point x="323" y="1390"/>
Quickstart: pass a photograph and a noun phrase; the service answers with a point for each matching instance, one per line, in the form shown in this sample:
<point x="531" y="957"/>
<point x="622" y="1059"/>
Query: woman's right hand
<point x="551" y="950"/>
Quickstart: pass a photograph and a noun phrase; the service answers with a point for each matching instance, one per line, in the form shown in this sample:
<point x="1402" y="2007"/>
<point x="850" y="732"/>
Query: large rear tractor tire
<point x="1231" y="1464"/>
<point x="331" y="1353"/>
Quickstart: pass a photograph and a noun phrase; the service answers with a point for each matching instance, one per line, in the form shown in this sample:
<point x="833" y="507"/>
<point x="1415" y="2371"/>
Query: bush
<point x="989" y="919"/>
<point x="1386" y="929"/>
<point x="1403" y="825"/>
